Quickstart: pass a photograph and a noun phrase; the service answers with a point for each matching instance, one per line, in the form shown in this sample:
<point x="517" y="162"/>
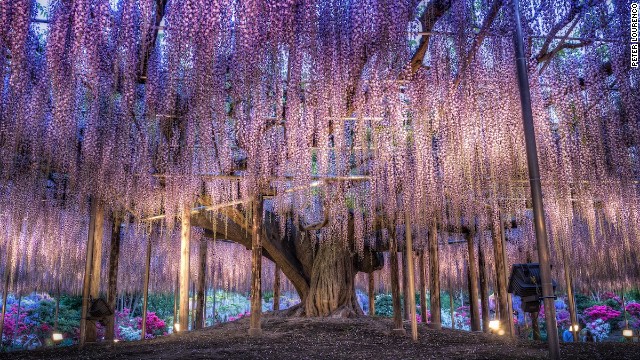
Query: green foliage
<point x="384" y="305"/>
<point x="583" y="302"/>
<point x="613" y="304"/>
<point x="162" y="305"/>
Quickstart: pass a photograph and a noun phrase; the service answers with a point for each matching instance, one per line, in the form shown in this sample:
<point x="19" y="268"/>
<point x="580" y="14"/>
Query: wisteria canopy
<point x="342" y="115"/>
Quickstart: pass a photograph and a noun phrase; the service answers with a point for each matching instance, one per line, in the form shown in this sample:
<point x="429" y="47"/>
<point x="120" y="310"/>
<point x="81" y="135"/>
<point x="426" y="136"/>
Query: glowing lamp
<point x="57" y="337"/>
<point x="628" y="333"/>
<point x="176" y="327"/>
<point x="494" y="324"/>
<point x="574" y="328"/>
<point x="116" y="340"/>
<point x="500" y="332"/>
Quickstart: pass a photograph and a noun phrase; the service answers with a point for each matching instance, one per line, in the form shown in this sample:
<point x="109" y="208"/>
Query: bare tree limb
<point x="433" y="12"/>
<point x="491" y="16"/>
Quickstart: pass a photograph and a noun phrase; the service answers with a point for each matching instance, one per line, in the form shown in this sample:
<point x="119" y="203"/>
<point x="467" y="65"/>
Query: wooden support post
<point x="202" y="270"/>
<point x="510" y="330"/>
<point x="86" y="284"/>
<point x="473" y="285"/>
<point x="255" y="328"/>
<point x="411" y="293"/>
<point x="569" y="284"/>
<point x="434" y="278"/>
<point x="176" y="301"/>
<point x="192" y="305"/>
<point x="484" y="291"/>
<point x="185" y="246"/>
<point x="395" y="282"/>
<point x="145" y="289"/>
<point x="535" y="326"/>
<point x="451" y="310"/>
<point x="501" y="278"/>
<point x="372" y="298"/>
<point x="276" y="289"/>
<point x="405" y="286"/>
<point x="5" y="290"/>
<point x="112" y="291"/>
<point x="423" y="288"/>
<point x="96" y="268"/>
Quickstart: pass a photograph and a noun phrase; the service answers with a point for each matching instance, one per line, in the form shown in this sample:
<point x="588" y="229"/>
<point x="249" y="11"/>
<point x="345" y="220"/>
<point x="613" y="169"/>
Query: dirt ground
<point x="299" y="338"/>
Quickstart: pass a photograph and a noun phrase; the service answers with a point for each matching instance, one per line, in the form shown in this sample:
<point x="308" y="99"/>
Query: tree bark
<point x="112" y="291"/>
<point x="395" y="278"/>
<point x="185" y="252"/>
<point x="332" y="290"/>
<point x="423" y="290"/>
<point x="256" y="268"/>
<point x="276" y="289"/>
<point x="199" y="324"/>
<point x="434" y="278"/>
<point x="484" y="293"/>
<point x="473" y="285"/>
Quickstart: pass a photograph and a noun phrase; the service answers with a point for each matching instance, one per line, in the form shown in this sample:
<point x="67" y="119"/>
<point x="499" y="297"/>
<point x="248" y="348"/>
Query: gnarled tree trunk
<point x="331" y="291"/>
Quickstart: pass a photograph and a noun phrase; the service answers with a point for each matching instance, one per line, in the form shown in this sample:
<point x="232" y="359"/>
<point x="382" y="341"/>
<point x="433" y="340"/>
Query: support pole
<point x="484" y="293"/>
<point x="473" y="285"/>
<point x="276" y="289"/>
<point x="86" y="284"/>
<point x="395" y="281"/>
<point x="501" y="276"/>
<point x="411" y="293"/>
<point x="202" y="270"/>
<point x="405" y="286"/>
<point x="176" y="301"/>
<point x="423" y="290"/>
<point x="185" y="240"/>
<point x="510" y="330"/>
<point x="5" y="290"/>
<point x="372" y="299"/>
<point x="434" y="278"/>
<point x="453" y="315"/>
<point x="569" y="284"/>
<point x="255" y="328"/>
<point x="112" y="287"/>
<point x="96" y="268"/>
<point x="536" y="191"/>
<point x="145" y="289"/>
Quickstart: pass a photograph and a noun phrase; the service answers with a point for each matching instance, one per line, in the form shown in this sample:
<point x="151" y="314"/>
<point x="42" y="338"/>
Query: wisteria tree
<point x="337" y="117"/>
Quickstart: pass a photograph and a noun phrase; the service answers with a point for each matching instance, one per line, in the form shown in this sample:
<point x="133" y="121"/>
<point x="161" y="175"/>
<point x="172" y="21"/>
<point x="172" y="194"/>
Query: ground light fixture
<point x="494" y="325"/>
<point x="176" y="327"/>
<point x="57" y="337"/>
<point x="574" y="328"/>
<point x="627" y="333"/>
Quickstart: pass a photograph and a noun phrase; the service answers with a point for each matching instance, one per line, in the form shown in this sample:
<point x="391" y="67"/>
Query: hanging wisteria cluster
<point x="151" y="105"/>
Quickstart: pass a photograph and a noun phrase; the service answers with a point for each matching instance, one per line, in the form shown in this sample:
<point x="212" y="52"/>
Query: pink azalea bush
<point x="239" y="316"/>
<point x="602" y="312"/>
<point x="633" y="309"/>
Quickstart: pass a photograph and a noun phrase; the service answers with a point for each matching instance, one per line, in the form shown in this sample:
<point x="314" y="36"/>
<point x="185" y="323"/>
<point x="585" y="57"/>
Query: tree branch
<point x="433" y="12"/>
<point x="491" y="16"/>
